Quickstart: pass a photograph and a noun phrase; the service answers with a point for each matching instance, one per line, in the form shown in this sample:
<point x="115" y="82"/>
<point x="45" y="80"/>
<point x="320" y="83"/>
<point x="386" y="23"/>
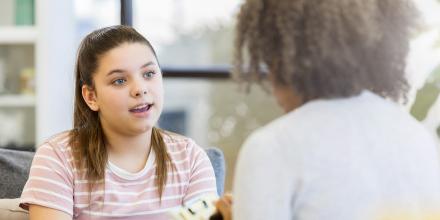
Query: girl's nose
<point x="139" y="90"/>
<point x="140" y="93"/>
<point x="139" y="87"/>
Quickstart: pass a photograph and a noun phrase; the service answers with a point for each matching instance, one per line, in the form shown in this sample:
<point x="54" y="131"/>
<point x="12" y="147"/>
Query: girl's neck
<point x="128" y="152"/>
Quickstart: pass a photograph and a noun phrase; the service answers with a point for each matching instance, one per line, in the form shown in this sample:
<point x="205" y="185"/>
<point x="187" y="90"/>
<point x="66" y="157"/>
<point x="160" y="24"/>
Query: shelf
<point x="17" y="101"/>
<point x="18" y="35"/>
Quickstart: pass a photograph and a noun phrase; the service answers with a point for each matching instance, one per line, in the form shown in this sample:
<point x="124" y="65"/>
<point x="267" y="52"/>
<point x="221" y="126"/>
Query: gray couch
<point x="14" y="170"/>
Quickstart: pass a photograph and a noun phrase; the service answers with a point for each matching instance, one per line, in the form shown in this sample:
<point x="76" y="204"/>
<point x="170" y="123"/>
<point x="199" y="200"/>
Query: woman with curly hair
<point x="344" y="149"/>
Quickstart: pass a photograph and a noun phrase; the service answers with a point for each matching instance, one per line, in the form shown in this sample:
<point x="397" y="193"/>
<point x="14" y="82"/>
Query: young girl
<point x="115" y="163"/>
<point x="343" y="150"/>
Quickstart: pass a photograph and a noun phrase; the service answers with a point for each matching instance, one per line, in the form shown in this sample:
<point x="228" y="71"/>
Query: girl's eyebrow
<point x="147" y="64"/>
<point x="121" y="70"/>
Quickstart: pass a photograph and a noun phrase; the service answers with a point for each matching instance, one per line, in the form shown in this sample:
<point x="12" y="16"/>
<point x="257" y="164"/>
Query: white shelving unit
<point x="18" y="35"/>
<point x="51" y="40"/>
<point x="17" y="101"/>
<point x="17" y="45"/>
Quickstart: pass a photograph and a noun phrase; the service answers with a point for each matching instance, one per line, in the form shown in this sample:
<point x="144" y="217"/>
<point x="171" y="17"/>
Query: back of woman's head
<point x="326" y="48"/>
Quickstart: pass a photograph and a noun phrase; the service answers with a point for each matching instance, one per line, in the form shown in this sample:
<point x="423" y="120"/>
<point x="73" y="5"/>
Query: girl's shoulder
<point x="58" y="143"/>
<point x="177" y="143"/>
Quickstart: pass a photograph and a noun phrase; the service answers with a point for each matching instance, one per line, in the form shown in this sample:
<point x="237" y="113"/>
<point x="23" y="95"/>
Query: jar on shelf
<point x="27" y="81"/>
<point x="11" y="131"/>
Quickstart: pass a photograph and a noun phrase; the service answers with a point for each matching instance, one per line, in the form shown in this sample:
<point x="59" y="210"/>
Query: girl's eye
<point x="148" y="74"/>
<point x="119" y="81"/>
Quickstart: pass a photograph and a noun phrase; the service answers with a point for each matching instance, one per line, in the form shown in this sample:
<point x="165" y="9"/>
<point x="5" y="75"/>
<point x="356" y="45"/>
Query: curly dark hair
<point x="326" y="48"/>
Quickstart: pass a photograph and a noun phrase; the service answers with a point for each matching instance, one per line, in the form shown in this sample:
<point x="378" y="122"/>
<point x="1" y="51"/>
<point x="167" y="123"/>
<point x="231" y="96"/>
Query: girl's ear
<point x="89" y="96"/>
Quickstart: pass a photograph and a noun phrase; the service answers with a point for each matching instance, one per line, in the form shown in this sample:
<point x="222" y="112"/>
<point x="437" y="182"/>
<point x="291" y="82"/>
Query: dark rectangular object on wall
<point x="175" y="121"/>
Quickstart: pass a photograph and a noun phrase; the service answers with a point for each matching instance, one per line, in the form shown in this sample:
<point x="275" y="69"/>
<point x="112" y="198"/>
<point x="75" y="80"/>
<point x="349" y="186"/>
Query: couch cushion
<point x="14" y="171"/>
<point x="217" y="159"/>
<point x="10" y="210"/>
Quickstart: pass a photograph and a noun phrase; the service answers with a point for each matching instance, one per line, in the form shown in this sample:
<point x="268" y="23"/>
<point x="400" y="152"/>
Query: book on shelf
<point x="24" y="12"/>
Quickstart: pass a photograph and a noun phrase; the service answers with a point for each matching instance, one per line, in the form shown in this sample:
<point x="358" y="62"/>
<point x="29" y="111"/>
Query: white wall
<point x="55" y="55"/>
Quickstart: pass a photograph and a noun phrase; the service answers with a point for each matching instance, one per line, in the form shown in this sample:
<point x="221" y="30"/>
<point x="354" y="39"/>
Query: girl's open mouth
<point x="142" y="108"/>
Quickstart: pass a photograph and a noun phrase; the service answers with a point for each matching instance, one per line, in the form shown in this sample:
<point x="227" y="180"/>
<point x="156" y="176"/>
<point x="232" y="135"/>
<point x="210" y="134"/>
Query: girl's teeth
<point x="141" y="107"/>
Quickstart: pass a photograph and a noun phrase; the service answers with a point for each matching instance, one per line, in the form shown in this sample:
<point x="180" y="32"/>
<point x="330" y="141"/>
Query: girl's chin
<point x="144" y="129"/>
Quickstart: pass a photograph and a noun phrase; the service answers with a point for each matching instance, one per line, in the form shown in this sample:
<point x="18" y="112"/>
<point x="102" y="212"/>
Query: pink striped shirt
<point x="55" y="183"/>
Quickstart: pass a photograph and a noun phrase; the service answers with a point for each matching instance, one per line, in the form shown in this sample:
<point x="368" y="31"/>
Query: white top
<point x="124" y="174"/>
<point x="355" y="158"/>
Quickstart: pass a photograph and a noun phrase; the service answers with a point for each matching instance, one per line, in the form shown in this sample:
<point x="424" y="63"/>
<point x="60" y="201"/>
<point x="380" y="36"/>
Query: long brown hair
<point x="87" y="137"/>
<point x="326" y="48"/>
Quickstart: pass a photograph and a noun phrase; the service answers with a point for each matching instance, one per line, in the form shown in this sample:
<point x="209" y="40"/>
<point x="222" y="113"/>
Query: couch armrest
<point x="10" y="210"/>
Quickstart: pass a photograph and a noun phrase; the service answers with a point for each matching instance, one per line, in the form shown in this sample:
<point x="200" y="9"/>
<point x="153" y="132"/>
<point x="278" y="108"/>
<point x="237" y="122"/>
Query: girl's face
<point x="128" y="92"/>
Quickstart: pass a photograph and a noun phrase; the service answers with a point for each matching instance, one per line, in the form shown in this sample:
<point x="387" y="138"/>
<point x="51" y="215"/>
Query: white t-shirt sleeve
<point x="263" y="184"/>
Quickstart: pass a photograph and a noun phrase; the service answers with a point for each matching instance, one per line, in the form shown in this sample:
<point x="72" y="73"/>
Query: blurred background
<point x="194" y="42"/>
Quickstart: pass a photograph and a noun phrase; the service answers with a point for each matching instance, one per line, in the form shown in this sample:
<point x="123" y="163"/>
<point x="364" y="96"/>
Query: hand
<point x="224" y="206"/>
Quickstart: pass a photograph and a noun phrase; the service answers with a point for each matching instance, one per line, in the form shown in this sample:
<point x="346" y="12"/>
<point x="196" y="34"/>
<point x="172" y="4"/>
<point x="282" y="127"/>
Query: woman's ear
<point x="89" y="96"/>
